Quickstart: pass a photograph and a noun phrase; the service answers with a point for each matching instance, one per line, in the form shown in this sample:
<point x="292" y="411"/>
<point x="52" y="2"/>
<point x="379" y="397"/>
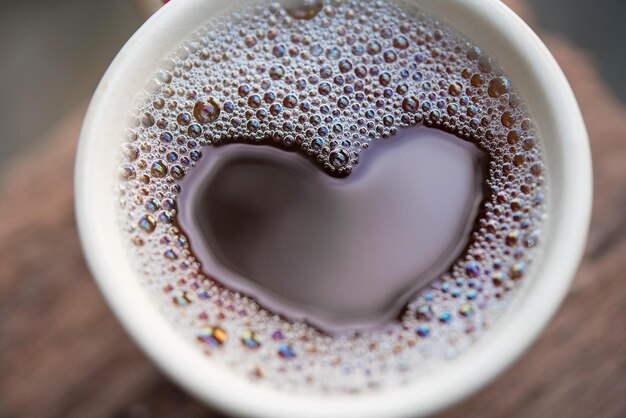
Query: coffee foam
<point x="326" y="86"/>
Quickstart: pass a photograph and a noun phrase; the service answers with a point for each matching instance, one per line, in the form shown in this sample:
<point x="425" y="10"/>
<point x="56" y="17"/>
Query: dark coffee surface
<point x="340" y="253"/>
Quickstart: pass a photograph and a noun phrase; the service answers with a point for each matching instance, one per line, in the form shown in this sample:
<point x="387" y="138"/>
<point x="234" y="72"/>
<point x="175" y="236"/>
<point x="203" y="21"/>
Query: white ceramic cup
<point x="535" y="74"/>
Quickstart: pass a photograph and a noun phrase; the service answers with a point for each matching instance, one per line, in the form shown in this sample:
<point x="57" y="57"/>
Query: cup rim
<point x="493" y="353"/>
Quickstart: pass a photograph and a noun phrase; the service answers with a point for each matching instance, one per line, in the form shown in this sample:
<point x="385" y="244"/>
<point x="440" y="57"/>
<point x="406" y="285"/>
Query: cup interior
<point x="537" y="77"/>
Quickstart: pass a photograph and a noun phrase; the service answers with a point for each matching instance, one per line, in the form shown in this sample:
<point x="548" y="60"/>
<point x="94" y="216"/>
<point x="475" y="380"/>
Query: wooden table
<point x="63" y="354"/>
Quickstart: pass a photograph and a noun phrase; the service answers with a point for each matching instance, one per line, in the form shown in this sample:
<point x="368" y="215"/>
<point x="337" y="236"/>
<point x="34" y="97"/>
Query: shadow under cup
<point x="531" y="68"/>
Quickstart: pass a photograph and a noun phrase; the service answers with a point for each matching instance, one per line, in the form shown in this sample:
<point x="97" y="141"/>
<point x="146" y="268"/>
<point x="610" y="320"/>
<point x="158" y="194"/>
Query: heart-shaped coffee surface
<point x="344" y="254"/>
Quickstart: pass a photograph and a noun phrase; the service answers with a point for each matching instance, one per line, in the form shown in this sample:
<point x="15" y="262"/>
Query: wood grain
<point x="62" y="353"/>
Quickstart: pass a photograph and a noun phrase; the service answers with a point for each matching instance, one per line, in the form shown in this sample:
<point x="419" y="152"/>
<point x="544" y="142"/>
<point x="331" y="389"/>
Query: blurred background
<point x="62" y="354"/>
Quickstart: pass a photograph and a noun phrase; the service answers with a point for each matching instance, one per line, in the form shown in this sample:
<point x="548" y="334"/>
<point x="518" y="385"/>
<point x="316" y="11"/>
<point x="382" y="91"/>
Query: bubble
<point x="286" y="351"/>
<point x="302" y="9"/>
<point x="484" y="64"/>
<point x="373" y="48"/>
<point x="400" y="42"/>
<point x="194" y="130"/>
<point x="250" y="41"/>
<point x="410" y="104"/>
<point x="128" y="172"/>
<point x="508" y="119"/>
<point x="333" y="53"/>
<point x="152" y="204"/>
<point x="206" y="111"/>
<point x="498" y="86"/>
<point x="466" y="310"/>
<point x="455" y="89"/>
<point x="423" y="330"/>
<point x="277" y="72"/>
<point x="213" y="336"/>
<point x="158" y="169"/>
<point x="182" y="299"/>
<point x="513" y="136"/>
<point x="474" y="53"/>
<point x="472" y="269"/>
<point x="170" y="254"/>
<point x="177" y="171"/>
<point x="290" y="101"/>
<point x="251" y="339"/>
<point x="339" y="158"/>
<point x="497" y="278"/>
<point x="424" y="312"/>
<point x="518" y="269"/>
<point x="324" y="88"/>
<point x="279" y="50"/>
<point x="388" y="120"/>
<point x="147" y="223"/>
<point x="183" y="118"/>
<point x="345" y="66"/>
<point x="390" y="56"/>
<point x="384" y="79"/>
<point x="243" y="90"/>
<point x="445" y="317"/>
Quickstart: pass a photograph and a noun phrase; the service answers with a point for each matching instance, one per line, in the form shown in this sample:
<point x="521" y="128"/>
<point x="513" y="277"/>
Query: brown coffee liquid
<point x="342" y="254"/>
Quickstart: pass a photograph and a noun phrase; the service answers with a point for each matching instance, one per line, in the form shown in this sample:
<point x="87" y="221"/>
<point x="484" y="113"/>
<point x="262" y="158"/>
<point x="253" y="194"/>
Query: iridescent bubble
<point x="466" y="310"/>
<point x="455" y="89"/>
<point x="286" y="351"/>
<point x="373" y="48"/>
<point x="290" y="101"/>
<point x="390" y="56"/>
<point x="277" y="72"/>
<point x="339" y="158"/>
<point x="345" y="66"/>
<point x="333" y="53"/>
<point x="152" y="204"/>
<point x="410" y="104"/>
<point x="497" y="278"/>
<point x="206" y="111"/>
<point x="183" y="118"/>
<point x="177" y="171"/>
<point x="158" y="169"/>
<point x="214" y="336"/>
<point x="384" y="79"/>
<point x="498" y="86"/>
<point x="128" y="172"/>
<point x="147" y="119"/>
<point x="445" y="317"/>
<point x="518" y="269"/>
<point x="182" y="299"/>
<point x="423" y="330"/>
<point x="472" y="269"/>
<point x="400" y="42"/>
<point x="243" y="90"/>
<point x="251" y="339"/>
<point x="424" y="312"/>
<point x="147" y="223"/>
<point x="194" y="130"/>
<point x="512" y="237"/>
<point x="279" y="50"/>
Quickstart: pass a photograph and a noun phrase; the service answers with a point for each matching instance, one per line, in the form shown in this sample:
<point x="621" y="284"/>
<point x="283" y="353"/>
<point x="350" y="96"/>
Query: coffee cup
<point x="549" y="99"/>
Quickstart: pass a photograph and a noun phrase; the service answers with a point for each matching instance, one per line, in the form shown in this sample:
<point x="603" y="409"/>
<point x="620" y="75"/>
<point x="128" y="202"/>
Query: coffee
<point x="331" y="196"/>
<point x="343" y="254"/>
